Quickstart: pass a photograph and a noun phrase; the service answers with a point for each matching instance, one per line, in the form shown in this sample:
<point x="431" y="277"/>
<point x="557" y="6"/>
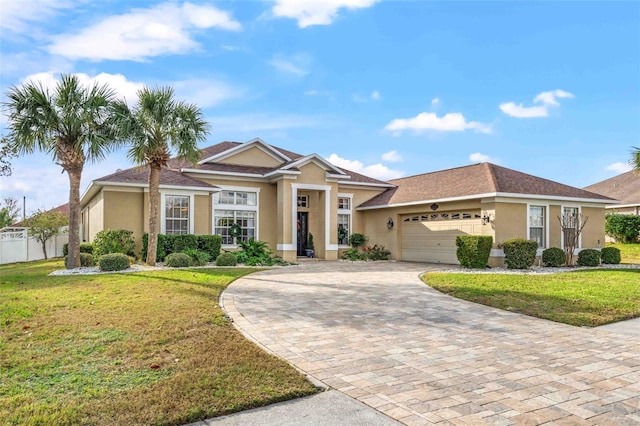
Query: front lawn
<point x="141" y="348"/>
<point x="581" y="298"/>
<point x="630" y="253"/>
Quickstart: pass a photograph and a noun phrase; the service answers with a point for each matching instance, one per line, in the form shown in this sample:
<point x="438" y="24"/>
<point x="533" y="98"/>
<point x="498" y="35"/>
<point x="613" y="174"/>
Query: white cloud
<point x="261" y="122"/>
<point x="377" y="171"/>
<point x="19" y="16"/>
<point x="124" y="88"/>
<point x="619" y="167"/>
<point x="163" y="29"/>
<point x="435" y="102"/>
<point x="392" y="156"/>
<point x="452" y="122"/>
<point x="206" y="92"/>
<point x="298" y="65"/>
<point x="315" y="12"/>
<point x="547" y="99"/>
<point x="375" y="95"/>
<point x="477" y="157"/>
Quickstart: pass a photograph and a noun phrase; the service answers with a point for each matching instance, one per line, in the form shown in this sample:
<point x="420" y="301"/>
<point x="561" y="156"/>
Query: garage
<point x="431" y="237"/>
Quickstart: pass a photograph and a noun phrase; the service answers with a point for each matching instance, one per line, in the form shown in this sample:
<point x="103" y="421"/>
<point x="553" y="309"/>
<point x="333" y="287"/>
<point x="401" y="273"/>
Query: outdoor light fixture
<point x="390" y="223"/>
<point x="485" y="218"/>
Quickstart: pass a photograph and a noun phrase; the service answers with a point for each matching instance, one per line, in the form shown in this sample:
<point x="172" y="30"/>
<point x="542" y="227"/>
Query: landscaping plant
<point x="610" y="255"/>
<point x="519" y="253"/>
<point x="473" y="250"/>
<point x="44" y="225"/>
<point x="114" y="241"/>
<point x="554" y="257"/>
<point x="589" y="257"/>
<point x="178" y="260"/>
<point x="198" y="257"/>
<point x="226" y="259"/>
<point x="113" y="262"/>
<point x="625" y="228"/>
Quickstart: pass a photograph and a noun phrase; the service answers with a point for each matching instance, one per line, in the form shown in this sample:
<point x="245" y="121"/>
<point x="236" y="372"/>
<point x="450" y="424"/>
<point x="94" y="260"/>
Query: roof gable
<point x="624" y="187"/>
<point x="319" y="161"/>
<point x="256" y="143"/>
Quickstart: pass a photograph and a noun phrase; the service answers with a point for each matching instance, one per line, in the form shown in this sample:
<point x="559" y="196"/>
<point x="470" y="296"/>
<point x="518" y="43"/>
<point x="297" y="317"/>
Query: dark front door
<point x="303" y="231"/>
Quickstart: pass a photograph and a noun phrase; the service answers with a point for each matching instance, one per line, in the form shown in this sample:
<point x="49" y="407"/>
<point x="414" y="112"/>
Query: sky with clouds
<point x="385" y="88"/>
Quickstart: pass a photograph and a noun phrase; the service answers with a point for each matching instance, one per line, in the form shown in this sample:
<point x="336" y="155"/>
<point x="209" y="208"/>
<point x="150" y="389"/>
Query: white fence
<point x="17" y="246"/>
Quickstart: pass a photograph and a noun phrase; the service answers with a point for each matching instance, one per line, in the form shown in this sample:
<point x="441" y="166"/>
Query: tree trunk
<point x="44" y="249"/>
<point x="73" y="258"/>
<point x="154" y="212"/>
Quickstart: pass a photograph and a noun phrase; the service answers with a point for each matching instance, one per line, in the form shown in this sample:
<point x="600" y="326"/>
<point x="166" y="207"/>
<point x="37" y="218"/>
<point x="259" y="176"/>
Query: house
<point x="625" y="188"/>
<point x="281" y="197"/>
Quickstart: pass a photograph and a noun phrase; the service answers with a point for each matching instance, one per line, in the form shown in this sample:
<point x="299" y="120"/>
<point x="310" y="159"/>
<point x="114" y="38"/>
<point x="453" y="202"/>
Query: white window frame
<point x="545" y="221"/>
<point x="306" y="201"/>
<point x="349" y="212"/>
<point x="236" y="207"/>
<point x="579" y="209"/>
<point x="163" y="207"/>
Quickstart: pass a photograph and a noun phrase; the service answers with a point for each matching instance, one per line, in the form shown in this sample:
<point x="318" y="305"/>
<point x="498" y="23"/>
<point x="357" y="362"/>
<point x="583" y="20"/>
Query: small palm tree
<point x="635" y="159"/>
<point x="156" y="125"/>
<point x="74" y="123"/>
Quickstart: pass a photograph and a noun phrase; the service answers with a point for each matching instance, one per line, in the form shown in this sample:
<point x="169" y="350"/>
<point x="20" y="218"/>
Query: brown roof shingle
<point x="140" y="175"/>
<point x="624" y="187"/>
<point x="467" y="181"/>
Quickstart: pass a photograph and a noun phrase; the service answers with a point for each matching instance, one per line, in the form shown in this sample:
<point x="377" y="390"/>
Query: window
<point x="176" y="214"/>
<point x="536" y="225"/>
<point x="235" y="208"/>
<point x="570" y="222"/>
<point x="344" y="220"/>
<point x="303" y="201"/>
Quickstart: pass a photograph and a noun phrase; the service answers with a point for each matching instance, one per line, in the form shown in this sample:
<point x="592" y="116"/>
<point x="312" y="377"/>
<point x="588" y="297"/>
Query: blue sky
<point x="386" y="88"/>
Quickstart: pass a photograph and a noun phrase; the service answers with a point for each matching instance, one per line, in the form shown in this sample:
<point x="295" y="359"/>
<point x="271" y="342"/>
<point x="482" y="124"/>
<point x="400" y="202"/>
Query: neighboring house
<point x="280" y="197"/>
<point x="625" y="188"/>
<point x="63" y="209"/>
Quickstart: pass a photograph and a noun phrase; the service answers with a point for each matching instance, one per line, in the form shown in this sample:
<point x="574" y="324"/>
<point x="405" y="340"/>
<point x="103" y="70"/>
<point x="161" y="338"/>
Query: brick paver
<point x="375" y="332"/>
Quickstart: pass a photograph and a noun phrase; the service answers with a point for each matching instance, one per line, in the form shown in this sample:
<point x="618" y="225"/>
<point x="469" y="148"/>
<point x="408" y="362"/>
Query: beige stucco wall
<point x="202" y="218"/>
<point x="252" y="157"/>
<point x="124" y="210"/>
<point x="593" y="231"/>
<point x="93" y="215"/>
<point x="510" y="222"/>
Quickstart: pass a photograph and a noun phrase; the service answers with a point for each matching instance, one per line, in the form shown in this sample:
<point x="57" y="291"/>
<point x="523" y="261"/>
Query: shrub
<point x="114" y="241"/>
<point x="113" y="262"/>
<point x="625" y="228"/>
<point x="610" y="255"/>
<point x="376" y="252"/>
<point x="254" y="253"/>
<point x="354" y="254"/>
<point x="86" y="260"/>
<point x="226" y="259"/>
<point x="84" y="248"/>
<point x="178" y="260"/>
<point x="554" y="257"/>
<point x="473" y="250"/>
<point x="210" y="244"/>
<point x="181" y="242"/>
<point x="589" y="257"/>
<point x="161" y="251"/>
<point x="357" y="240"/>
<point x="519" y="253"/>
<point x="198" y="257"/>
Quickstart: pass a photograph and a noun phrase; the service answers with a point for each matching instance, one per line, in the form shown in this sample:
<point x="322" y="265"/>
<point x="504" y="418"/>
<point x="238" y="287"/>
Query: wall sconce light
<point x="390" y="223"/>
<point x="485" y="218"/>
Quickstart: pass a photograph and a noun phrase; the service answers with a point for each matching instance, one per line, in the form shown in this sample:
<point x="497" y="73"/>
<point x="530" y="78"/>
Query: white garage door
<point x="434" y="240"/>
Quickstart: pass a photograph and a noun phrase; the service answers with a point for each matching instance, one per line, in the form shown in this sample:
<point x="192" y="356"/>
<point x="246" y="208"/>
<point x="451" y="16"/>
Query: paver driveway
<point x="376" y="333"/>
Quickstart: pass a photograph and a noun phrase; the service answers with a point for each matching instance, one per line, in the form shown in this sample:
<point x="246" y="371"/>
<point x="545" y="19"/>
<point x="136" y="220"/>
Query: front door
<point x="303" y="231"/>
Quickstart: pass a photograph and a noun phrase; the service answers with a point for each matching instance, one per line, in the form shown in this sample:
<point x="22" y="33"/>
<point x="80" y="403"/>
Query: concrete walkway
<point x="374" y="332"/>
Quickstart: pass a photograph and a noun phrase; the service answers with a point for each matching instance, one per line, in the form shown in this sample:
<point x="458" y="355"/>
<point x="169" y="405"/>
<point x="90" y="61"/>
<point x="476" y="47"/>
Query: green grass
<point x="581" y="298"/>
<point x="630" y="253"/>
<point x="142" y="348"/>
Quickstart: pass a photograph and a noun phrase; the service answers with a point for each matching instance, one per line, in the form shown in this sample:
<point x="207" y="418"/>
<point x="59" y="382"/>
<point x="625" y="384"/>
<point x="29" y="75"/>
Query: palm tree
<point x="73" y="123"/>
<point x="635" y="159"/>
<point x="156" y="125"/>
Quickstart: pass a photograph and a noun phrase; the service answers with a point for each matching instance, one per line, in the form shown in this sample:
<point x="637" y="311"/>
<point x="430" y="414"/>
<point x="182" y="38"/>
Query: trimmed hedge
<point x="589" y="257"/>
<point x="473" y="250"/>
<point x="86" y="260"/>
<point x="226" y="259"/>
<point x="357" y="240"/>
<point x="168" y="244"/>
<point x="113" y="262"/>
<point x="610" y="255"/>
<point x="519" y="253"/>
<point x="181" y="242"/>
<point x="554" y="257"/>
<point x="625" y="228"/>
<point x="210" y="244"/>
<point x="198" y="257"/>
<point x="114" y="241"/>
<point x="178" y="260"/>
<point x="84" y="248"/>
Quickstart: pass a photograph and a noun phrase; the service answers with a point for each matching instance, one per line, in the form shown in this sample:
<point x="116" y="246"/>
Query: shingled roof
<point x="140" y="175"/>
<point x="624" y="187"/>
<point x="475" y="180"/>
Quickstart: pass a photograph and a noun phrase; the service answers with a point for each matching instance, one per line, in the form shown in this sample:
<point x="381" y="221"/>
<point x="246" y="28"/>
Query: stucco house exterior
<point x="625" y="187"/>
<point x="279" y="196"/>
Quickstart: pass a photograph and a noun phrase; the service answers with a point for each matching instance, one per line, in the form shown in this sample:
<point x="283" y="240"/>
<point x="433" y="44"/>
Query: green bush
<point x="181" y="242"/>
<point x="114" y="241"/>
<point x="519" y="253"/>
<point x="473" y="250"/>
<point x="354" y="254"/>
<point x="198" y="257"/>
<point x="178" y="260"/>
<point x="554" y="257"/>
<point x="589" y="257"/>
<point x="625" y="228"/>
<point x="255" y="253"/>
<point x="86" y="260"/>
<point x="210" y="244"/>
<point x="610" y="255"/>
<point x="84" y="248"/>
<point x="376" y="252"/>
<point x="226" y="259"/>
<point x="161" y="251"/>
<point x="113" y="262"/>
<point x="357" y="240"/>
